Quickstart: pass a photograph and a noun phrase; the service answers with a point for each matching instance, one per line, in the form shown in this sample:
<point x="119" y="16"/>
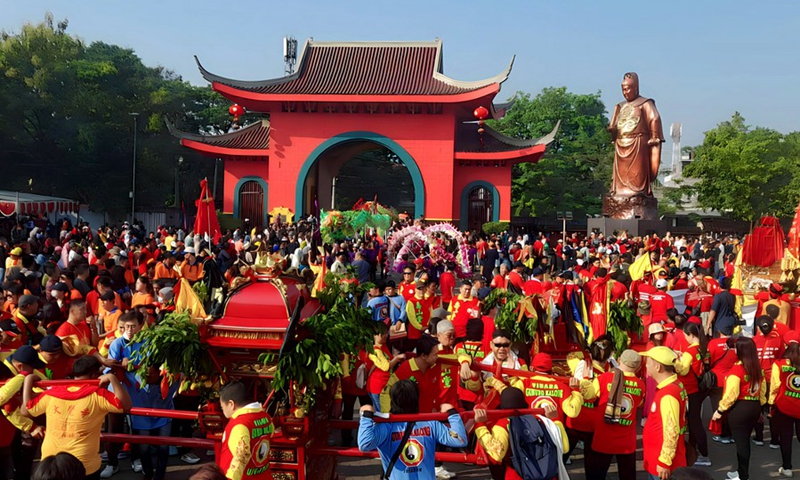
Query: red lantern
<point x="236" y="110"/>
<point x="481" y="113"/>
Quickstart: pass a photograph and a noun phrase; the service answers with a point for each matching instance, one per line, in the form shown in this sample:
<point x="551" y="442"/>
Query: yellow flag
<point x="640" y="266"/>
<point x="187" y="301"/>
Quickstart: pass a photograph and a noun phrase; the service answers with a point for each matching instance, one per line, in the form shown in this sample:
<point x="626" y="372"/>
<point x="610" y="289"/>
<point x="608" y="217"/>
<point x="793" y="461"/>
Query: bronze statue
<point x="637" y="134"/>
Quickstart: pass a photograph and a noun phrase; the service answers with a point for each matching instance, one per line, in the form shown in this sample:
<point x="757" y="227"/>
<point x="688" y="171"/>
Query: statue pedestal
<point x="635" y="227"/>
<point x="621" y="207"/>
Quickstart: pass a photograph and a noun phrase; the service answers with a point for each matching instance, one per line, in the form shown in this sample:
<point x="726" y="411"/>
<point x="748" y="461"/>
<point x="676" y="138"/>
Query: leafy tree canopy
<point x="576" y="170"/>
<point x="65" y="125"/>
<point x="746" y="172"/>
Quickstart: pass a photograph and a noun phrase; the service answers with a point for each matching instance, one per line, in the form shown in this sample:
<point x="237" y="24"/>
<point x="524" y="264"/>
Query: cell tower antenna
<point x="675" y="132"/>
<point x="289" y="54"/>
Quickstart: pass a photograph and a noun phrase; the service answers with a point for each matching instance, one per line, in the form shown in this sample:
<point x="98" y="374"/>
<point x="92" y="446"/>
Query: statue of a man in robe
<point x="637" y="134"/>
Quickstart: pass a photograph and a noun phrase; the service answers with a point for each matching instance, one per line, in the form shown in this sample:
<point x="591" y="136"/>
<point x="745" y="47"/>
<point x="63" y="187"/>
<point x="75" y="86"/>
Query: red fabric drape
<point x="765" y="245"/>
<point x="206" y="222"/>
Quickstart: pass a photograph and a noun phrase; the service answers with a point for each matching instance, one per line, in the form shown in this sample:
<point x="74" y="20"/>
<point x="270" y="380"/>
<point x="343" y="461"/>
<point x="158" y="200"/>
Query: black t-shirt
<point x="725" y="306"/>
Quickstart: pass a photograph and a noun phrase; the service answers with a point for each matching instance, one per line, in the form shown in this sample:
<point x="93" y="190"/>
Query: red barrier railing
<point x="156" y="412"/>
<point x="205" y="443"/>
<point x="507" y="371"/>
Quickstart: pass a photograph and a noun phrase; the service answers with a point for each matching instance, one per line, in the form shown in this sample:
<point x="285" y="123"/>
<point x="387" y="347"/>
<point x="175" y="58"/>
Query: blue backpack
<point x="534" y="456"/>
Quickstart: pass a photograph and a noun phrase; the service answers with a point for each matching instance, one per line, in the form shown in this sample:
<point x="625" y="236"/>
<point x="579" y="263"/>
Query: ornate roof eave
<point x="244" y="97"/>
<point x="437" y="74"/>
<point x="499" y="110"/>
<point x="525" y="151"/>
<point x="202" y="143"/>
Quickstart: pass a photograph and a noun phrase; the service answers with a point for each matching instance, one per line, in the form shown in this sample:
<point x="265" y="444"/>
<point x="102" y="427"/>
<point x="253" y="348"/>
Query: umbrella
<point x="206" y="223"/>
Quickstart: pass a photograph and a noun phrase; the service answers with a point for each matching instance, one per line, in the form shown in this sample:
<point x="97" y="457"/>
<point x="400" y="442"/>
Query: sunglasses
<point x="408" y="273"/>
<point x="501" y="345"/>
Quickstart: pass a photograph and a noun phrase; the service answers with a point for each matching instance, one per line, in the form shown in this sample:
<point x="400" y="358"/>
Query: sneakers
<point x="734" y="475"/>
<point x="136" y="465"/>
<point x="443" y="473"/>
<point x="109" y="471"/>
<point x="725" y="440"/>
<point x="190" y="458"/>
<point x="786" y="472"/>
<point x="702" y="462"/>
<point x="759" y="443"/>
<point x="774" y="446"/>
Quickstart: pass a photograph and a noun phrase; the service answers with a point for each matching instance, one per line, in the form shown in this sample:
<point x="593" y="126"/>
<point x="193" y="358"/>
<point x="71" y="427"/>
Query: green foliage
<point x="495" y="228"/>
<point x="343" y="327"/>
<point x="495" y="298"/>
<point x="65" y="124"/>
<point x="622" y="320"/>
<point x="201" y="290"/>
<point x="522" y="328"/>
<point x="174" y="344"/>
<point x="576" y="170"/>
<point x="746" y="172"/>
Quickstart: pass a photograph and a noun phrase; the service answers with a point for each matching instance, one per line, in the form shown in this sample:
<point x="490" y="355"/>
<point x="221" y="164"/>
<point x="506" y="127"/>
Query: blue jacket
<point x="416" y="462"/>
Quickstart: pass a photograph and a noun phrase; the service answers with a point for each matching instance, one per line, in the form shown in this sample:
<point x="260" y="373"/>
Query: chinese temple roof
<point x="495" y="145"/>
<point x="364" y="68"/>
<point x="251" y="139"/>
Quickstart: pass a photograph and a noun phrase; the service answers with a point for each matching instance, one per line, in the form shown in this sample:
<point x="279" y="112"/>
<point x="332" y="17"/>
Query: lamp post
<point x="135" y="116"/>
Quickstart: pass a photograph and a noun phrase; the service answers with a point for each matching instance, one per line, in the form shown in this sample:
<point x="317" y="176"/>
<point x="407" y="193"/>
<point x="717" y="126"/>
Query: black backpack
<point x="534" y="456"/>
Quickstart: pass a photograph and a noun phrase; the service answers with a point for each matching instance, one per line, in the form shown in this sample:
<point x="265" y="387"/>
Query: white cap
<point x="661" y="283"/>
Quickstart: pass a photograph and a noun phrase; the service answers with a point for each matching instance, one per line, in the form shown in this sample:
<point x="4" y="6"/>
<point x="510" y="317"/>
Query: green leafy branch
<point x="623" y="321"/>
<point x="174" y="344"/>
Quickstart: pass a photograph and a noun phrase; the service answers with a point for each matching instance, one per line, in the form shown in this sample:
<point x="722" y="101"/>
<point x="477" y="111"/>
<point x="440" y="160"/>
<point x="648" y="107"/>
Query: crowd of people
<point x="75" y="298"/>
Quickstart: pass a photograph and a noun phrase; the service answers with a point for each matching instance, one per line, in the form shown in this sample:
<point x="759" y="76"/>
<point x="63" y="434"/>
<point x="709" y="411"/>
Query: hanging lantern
<point x="481" y="113"/>
<point x="237" y="110"/>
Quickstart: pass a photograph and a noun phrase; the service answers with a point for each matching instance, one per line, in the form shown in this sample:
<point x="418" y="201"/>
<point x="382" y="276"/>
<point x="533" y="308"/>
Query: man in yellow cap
<point x="14" y="260"/>
<point x="664" y="447"/>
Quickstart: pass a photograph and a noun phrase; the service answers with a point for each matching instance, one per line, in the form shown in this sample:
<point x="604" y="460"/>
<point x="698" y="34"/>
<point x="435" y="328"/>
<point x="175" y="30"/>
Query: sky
<point x="700" y="60"/>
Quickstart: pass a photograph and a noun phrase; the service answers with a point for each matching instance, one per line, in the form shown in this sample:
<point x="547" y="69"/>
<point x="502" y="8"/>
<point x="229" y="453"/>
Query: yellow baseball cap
<point x="16" y="252"/>
<point x="662" y="355"/>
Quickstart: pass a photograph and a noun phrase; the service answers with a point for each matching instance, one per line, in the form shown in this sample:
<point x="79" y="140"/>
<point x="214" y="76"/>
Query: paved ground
<point x="764" y="464"/>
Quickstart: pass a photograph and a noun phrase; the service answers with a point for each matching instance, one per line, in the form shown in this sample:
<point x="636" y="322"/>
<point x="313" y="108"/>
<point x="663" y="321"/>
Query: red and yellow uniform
<point x="464" y="308"/>
<point x="418" y="312"/>
<point x="378" y="379"/>
<point x="542" y="390"/>
<point x="470" y="351"/>
<point x="495" y="443"/>
<point x="427" y="381"/>
<point x="407" y="290"/>
<point x="76" y="339"/>
<point x="75" y="416"/>
<point x="246" y="443"/>
<point x="616" y="438"/>
<point x="738" y="387"/>
<point x="448" y="382"/>
<point x="664" y="430"/>
<point x="689" y="367"/>
<point x="589" y="413"/>
<point x="784" y="390"/>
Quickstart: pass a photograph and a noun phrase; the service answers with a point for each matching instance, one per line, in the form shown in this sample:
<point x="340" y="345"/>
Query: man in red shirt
<point x="447" y="282"/>
<point x="516" y="283"/>
<point x="663" y="437"/>
<point x="770" y="348"/>
<point x="464" y="307"/>
<point x="660" y="302"/>
<point x="406" y="287"/>
<point x="246" y="441"/>
<point x="425" y="371"/>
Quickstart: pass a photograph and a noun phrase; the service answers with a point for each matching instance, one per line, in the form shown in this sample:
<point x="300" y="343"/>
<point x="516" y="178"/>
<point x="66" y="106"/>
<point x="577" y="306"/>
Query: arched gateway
<point x="347" y="98"/>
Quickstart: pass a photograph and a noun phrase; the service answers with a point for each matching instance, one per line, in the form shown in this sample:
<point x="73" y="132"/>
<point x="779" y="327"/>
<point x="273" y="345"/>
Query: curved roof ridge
<point x="499" y="78"/>
<point x="545" y="140"/>
<point x="213" y="78"/>
<point x="199" y="137"/>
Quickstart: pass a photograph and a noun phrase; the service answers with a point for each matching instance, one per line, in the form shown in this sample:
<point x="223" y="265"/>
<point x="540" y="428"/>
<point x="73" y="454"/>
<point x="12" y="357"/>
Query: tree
<point x="576" y="170"/>
<point x="65" y="124"/>
<point x="745" y="171"/>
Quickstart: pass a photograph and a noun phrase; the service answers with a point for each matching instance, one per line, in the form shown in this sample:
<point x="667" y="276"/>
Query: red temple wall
<point x="500" y="177"/>
<point x="427" y="138"/>
<point x="235" y="170"/>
